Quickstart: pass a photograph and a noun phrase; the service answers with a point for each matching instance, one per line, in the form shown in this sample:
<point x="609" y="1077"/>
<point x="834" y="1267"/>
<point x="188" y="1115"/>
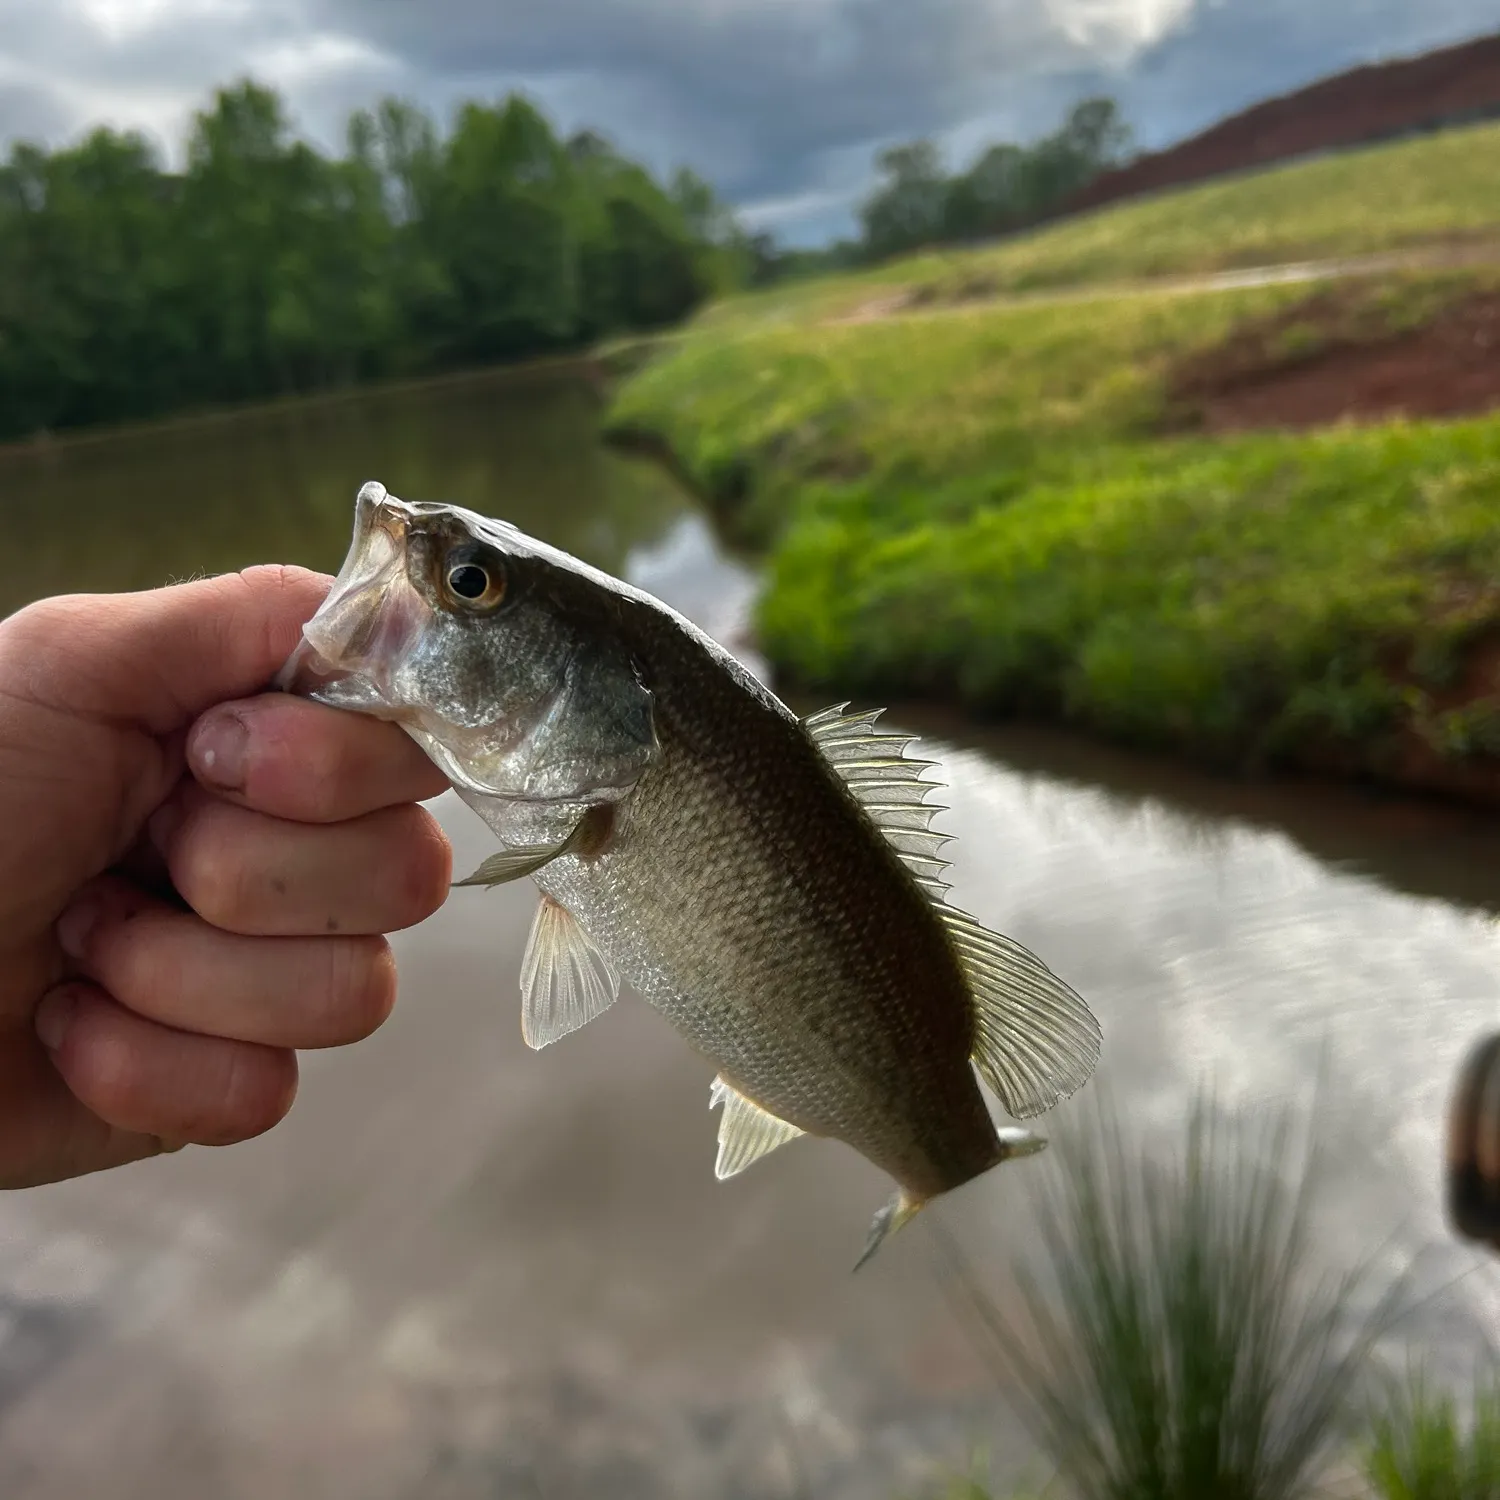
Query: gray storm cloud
<point x="779" y="100"/>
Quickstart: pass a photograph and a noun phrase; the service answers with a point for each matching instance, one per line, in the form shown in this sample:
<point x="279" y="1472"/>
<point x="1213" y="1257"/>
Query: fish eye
<point x="473" y="581"/>
<point x="468" y="581"/>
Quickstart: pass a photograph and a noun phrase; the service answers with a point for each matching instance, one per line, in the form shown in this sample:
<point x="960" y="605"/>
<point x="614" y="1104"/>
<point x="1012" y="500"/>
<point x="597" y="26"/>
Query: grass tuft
<point x="1423" y="1446"/>
<point x="1178" y="1339"/>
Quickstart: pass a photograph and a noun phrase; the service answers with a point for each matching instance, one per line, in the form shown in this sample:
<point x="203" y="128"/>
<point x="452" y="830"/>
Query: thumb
<point x="159" y="657"/>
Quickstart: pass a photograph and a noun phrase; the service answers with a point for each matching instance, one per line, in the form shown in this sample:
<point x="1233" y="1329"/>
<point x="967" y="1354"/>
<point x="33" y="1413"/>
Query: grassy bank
<point x="1013" y="509"/>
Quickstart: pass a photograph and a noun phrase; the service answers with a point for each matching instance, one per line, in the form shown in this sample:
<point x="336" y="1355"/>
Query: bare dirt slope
<point x="1405" y="96"/>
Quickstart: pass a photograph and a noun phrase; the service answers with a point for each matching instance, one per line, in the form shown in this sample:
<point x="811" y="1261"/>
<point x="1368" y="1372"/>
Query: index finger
<point x="300" y="760"/>
<point x="159" y="657"/>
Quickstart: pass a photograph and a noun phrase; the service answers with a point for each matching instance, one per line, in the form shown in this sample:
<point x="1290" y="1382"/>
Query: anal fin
<point x="565" y="980"/>
<point x="746" y="1131"/>
<point x="1036" y="1039"/>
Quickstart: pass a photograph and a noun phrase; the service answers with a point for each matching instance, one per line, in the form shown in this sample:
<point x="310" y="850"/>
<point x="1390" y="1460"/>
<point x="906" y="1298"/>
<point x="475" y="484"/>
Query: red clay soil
<point x="1367" y="104"/>
<point x="1449" y="367"/>
<point x="1329" y="360"/>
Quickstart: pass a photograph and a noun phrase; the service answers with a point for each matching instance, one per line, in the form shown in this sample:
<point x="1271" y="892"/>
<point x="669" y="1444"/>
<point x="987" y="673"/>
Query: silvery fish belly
<point x="770" y="884"/>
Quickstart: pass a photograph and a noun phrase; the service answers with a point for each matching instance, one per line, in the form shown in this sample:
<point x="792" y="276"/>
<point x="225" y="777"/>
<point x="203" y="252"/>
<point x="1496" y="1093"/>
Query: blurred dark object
<point x="1474" y="1147"/>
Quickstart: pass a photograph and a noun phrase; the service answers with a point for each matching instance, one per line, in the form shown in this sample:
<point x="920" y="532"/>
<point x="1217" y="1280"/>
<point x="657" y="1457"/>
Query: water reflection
<point x="464" y="1270"/>
<point x="137" y="509"/>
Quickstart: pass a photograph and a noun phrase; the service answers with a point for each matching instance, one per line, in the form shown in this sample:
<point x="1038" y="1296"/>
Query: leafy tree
<point x="267" y="267"/>
<point x="1006" y="188"/>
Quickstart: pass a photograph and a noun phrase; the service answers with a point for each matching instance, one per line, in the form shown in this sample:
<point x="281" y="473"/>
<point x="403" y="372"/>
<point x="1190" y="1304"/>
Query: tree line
<point x="265" y="267"/>
<point x="1007" y="187"/>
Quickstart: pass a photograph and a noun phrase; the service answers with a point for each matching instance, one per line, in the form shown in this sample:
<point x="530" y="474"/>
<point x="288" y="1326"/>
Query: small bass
<point x="771" y="884"/>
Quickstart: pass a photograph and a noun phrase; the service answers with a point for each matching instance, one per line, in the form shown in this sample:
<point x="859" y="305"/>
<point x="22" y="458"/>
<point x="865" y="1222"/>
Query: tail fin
<point x="903" y="1207"/>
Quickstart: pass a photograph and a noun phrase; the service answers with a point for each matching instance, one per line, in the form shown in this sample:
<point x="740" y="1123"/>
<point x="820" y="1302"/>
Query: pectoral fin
<point x="511" y="864"/>
<point x="746" y="1131"/>
<point x="523" y="860"/>
<point x="565" y="980"/>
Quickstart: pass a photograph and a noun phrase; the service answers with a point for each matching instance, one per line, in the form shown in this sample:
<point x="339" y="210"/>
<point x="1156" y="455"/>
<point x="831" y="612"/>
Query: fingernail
<point x="75" y="924"/>
<point x="162" y="826"/>
<point x="218" y="750"/>
<point x="53" y="1017"/>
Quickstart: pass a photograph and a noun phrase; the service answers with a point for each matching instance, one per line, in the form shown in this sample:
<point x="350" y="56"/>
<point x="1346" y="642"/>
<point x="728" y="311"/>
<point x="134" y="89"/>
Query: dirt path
<point x="910" y="303"/>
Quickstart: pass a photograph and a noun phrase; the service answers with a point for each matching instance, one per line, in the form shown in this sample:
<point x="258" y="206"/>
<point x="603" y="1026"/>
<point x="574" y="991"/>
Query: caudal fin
<point x="903" y="1207"/>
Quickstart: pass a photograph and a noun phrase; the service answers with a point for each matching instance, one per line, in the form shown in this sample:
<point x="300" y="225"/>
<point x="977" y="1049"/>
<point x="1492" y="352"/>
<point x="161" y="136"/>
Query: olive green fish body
<point x="750" y="899"/>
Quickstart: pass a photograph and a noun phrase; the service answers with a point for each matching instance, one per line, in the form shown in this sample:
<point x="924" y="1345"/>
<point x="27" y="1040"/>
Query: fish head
<point x="500" y="656"/>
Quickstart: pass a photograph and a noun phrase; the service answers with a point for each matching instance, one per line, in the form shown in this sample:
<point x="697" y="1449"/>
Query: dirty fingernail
<point x="53" y="1017"/>
<point x="75" y="925"/>
<point x="218" y="750"/>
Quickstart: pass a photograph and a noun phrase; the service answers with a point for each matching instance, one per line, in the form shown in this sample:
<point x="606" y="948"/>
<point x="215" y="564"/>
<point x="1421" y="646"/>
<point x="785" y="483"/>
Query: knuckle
<point x="322" y="775"/>
<point x="425" y="867"/>
<point x="255" y="1094"/>
<point x="134" y="958"/>
<point x="210" y="876"/>
<point x="359" y="989"/>
<point x="29" y="637"/>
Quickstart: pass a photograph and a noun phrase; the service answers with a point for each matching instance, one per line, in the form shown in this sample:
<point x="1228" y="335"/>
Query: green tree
<point x="267" y="267"/>
<point x="907" y="210"/>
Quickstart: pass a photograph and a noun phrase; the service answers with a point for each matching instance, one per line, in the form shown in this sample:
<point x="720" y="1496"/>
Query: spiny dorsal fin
<point x="888" y="784"/>
<point x="565" y="980"/>
<point x="1036" y="1040"/>
<point x="746" y="1131"/>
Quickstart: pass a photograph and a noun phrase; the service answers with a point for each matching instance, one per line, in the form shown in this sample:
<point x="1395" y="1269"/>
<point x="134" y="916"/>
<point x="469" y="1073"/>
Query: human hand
<point x="219" y="872"/>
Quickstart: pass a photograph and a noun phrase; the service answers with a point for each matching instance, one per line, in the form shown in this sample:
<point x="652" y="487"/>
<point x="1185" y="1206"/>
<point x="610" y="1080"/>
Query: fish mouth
<point x="370" y="620"/>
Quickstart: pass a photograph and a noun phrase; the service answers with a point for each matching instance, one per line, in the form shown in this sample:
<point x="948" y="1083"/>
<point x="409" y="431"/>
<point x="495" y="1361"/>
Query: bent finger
<point x="153" y="1080"/>
<point x="300" y="760"/>
<point x="173" y="967"/>
<point x="263" y="876"/>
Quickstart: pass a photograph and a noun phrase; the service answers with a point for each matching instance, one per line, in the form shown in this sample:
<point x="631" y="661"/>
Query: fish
<point x="770" y="884"/>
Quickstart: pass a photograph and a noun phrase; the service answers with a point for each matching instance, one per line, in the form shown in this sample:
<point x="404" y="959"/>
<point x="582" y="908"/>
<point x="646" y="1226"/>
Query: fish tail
<point x="900" y="1210"/>
<point x="904" y="1206"/>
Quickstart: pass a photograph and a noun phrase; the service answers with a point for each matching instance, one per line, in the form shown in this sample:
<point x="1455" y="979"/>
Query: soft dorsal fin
<point x="565" y="980"/>
<point x="746" y="1131"/>
<point x="1036" y="1040"/>
<point x="888" y="784"/>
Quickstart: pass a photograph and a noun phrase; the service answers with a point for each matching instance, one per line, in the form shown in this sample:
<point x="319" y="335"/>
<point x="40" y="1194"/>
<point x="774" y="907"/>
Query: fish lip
<point x="369" y="619"/>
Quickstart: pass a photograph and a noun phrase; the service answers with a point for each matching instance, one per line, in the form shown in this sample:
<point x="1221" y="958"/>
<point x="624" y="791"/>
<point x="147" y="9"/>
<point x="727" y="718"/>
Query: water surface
<point x="461" y="1269"/>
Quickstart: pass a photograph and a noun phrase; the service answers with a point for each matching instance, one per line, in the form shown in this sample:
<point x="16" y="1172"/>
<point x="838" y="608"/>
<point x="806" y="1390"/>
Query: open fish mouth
<point x="371" y="620"/>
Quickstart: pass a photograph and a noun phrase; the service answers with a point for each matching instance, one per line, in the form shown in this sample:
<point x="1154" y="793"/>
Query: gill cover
<point x="520" y="703"/>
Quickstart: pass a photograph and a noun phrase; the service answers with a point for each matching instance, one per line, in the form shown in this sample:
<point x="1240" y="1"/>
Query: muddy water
<point x="461" y="1269"/>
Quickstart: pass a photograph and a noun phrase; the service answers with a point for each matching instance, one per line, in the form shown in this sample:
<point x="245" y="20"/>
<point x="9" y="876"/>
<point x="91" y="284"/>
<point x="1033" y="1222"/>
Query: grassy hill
<point x="1436" y="191"/>
<point x="1028" y="508"/>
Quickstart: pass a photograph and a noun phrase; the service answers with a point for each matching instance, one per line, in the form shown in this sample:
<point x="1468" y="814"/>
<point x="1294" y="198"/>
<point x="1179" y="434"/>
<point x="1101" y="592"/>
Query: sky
<point x="781" y="103"/>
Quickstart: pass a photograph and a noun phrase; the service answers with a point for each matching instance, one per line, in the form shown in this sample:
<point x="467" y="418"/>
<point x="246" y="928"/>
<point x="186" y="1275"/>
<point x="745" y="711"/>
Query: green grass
<point x="1177" y="1336"/>
<point x="989" y="508"/>
<point x="1435" y="190"/>
<point x="1423" y="1446"/>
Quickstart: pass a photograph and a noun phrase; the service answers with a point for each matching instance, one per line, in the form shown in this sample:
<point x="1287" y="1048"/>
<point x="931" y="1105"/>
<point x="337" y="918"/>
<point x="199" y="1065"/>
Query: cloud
<point x="781" y="102"/>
